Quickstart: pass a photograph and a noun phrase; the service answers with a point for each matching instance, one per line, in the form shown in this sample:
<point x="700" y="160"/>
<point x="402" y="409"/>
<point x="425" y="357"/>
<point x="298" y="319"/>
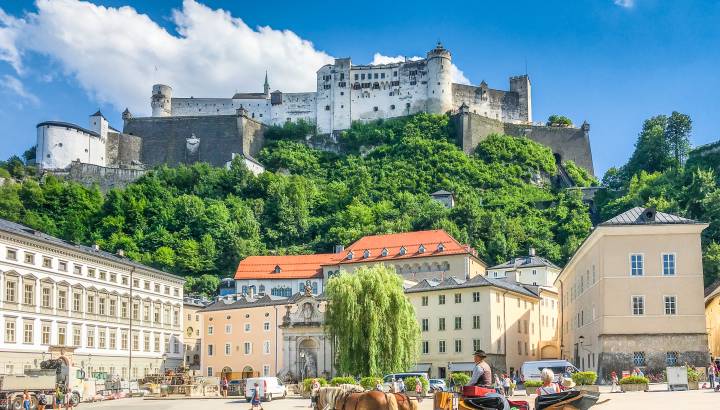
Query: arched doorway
<point x="307" y="359"/>
<point x="248" y="372"/>
<point x="225" y="371"/>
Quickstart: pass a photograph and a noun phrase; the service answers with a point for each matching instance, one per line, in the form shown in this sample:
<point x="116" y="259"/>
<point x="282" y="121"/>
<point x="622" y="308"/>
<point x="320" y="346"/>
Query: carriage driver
<point x="481" y="375"/>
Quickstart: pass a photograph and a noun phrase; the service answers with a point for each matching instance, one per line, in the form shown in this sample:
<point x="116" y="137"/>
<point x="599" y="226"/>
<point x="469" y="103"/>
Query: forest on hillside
<point x="200" y="221"/>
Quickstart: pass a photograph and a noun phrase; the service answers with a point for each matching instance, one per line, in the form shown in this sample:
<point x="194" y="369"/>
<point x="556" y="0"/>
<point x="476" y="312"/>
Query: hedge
<point x="584" y="378"/>
<point x="532" y="383"/>
<point x="634" y="380"/>
<point x="307" y="383"/>
<point x="410" y="383"/>
<point x="369" y="383"/>
<point x="336" y="381"/>
<point x="459" y="379"/>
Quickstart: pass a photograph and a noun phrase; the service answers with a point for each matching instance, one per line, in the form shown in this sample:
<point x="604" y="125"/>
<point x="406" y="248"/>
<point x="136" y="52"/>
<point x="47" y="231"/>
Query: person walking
<point x="548" y="383"/>
<point x="59" y="398"/>
<point x="614" y="381"/>
<point x="507" y="385"/>
<point x="224" y="386"/>
<point x="712" y="373"/>
<point x="255" y="401"/>
<point x="68" y="399"/>
<point x="499" y="386"/>
<point x="42" y="400"/>
<point x="26" y="400"/>
<point x="314" y="391"/>
<point x="419" y="390"/>
<point x="401" y="385"/>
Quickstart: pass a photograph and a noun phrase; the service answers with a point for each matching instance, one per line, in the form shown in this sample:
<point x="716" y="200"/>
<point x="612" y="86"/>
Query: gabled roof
<point x="291" y="266"/>
<point x="411" y="241"/>
<point x="477" y="281"/>
<point x="646" y="216"/>
<point x="244" y="302"/>
<point x="525" y="262"/>
<point x="98" y="114"/>
<point x="441" y="192"/>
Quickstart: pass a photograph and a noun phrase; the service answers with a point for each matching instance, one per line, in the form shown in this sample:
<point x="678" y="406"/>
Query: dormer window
<point x="366" y="254"/>
<point x="384" y="252"/>
<point x="277" y="269"/>
<point x="402" y="250"/>
<point x="349" y="256"/>
<point x="421" y="249"/>
<point x="440" y="247"/>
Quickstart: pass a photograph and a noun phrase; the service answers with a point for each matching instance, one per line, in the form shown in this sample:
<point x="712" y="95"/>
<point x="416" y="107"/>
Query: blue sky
<point x="612" y="63"/>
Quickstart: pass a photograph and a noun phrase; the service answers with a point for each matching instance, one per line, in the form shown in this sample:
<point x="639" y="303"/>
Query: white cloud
<point x="15" y="86"/>
<point x="625" y="3"/>
<point x="117" y="54"/>
<point x="456" y="74"/>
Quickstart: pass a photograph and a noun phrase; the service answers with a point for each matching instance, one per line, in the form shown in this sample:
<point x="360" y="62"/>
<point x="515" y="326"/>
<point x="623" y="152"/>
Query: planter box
<point x="634" y="387"/>
<point x="693" y="385"/>
<point x="591" y="388"/>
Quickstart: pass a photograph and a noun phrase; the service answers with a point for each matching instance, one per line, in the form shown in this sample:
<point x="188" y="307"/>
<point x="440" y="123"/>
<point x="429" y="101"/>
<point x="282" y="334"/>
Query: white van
<point x="270" y="388"/>
<point x="387" y="380"/>
<point x="531" y="370"/>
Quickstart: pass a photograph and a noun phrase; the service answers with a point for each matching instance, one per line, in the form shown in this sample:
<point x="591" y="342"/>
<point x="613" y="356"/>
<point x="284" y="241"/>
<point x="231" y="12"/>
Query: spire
<point x="266" y="86"/>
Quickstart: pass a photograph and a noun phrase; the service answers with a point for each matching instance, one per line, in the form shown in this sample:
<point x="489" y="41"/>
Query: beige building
<point x="192" y="338"/>
<point x="459" y="316"/>
<point x="529" y="270"/>
<point x="632" y="295"/>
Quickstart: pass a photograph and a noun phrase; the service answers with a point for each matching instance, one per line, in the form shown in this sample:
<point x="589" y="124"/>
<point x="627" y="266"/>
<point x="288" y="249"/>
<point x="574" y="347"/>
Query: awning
<point x="461" y="367"/>
<point x="421" y="368"/>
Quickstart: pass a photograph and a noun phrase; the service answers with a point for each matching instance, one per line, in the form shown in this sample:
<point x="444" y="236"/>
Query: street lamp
<point x="162" y="368"/>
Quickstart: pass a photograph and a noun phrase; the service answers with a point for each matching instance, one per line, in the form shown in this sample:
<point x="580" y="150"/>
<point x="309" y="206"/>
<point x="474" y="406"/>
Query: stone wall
<point x="617" y="351"/>
<point x="566" y="143"/>
<point x="106" y="178"/>
<point x="122" y="149"/>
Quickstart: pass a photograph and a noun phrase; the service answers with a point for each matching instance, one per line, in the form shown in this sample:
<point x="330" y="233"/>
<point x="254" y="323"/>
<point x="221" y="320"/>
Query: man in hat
<point x="481" y="375"/>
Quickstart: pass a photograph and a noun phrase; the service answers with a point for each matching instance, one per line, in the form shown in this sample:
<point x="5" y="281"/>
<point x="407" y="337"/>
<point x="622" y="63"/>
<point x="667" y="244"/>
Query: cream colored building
<point x="459" y="316"/>
<point x="192" y="337"/>
<point x="529" y="270"/>
<point x="632" y="295"/>
<point x="90" y="305"/>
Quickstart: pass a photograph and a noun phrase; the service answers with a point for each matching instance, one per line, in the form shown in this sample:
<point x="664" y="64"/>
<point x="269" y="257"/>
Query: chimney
<point x="96" y="247"/>
<point x="531" y="252"/>
<point x="339" y="248"/>
<point x="121" y="253"/>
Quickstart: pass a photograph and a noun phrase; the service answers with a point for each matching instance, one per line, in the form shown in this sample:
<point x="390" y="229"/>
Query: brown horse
<point x="376" y="400"/>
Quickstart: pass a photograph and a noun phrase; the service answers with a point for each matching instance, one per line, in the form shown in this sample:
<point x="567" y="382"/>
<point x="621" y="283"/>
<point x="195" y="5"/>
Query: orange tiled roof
<point x="435" y="242"/>
<point x="290" y="266"/>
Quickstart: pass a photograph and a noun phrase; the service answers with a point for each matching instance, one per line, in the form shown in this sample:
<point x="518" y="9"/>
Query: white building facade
<point x="60" y="143"/>
<point x="93" y="305"/>
<point x="347" y="93"/>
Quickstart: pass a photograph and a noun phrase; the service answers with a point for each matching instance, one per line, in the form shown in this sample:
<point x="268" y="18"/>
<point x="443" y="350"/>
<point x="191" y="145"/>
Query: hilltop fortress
<point x="215" y="130"/>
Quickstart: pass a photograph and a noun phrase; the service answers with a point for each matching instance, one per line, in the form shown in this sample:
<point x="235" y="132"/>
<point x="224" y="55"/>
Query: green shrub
<point x="584" y="378"/>
<point x="336" y="381"/>
<point x="307" y="383"/>
<point x="532" y="383"/>
<point x="369" y="383"/>
<point x="459" y="379"/>
<point x="411" y="382"/>
<point x="634" y="380"/>
<point x="693" y="375"/>
<point x="559" y="121"/>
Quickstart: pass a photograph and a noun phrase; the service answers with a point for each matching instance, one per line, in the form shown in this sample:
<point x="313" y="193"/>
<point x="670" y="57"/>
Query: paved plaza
<point x="699" y="399"/>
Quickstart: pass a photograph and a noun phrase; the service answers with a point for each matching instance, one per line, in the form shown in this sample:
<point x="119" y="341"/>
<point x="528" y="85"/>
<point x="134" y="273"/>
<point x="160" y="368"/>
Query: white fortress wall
<point x="183" y="107"/>
<point x="294" y="107"/>
<point x="58" y="144"/>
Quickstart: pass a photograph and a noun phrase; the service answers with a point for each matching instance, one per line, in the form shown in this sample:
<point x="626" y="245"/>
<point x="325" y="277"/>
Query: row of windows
<point x="278" y="290"/>
<point x="228" y="328"/>
<point x="424" y="300"/>
<point x="29" y="258"/>
<point x="637" y="264"/>
<point x="247" y="348"/>
<point x="638" y="305"/>
<point x="95" y="338"/>
<point x="265" y="372"/>
<point x="457" y="346"/>
<point x="671" y="358"/>
<point x="372" y="75"/>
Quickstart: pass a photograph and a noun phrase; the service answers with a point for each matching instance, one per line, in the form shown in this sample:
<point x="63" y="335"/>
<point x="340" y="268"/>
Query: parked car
<point x="437" y="385"/>
<point x="387" y="380"/>
<point x="531" y="370"/>
<point x="270" y="388"/>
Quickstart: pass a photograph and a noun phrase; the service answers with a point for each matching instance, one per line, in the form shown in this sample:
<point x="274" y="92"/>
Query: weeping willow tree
<point x="371" y="322"/>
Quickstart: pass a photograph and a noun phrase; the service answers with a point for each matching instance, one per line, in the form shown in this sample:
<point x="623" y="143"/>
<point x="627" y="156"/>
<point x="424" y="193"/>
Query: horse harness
<point x="345" y="396"/>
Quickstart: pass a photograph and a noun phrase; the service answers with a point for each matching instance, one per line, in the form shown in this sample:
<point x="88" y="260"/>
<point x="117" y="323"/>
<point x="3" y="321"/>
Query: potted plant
<point x="693" y="378"/>
<point x="369" y="382"/>
<point x="634" y="383"/>
<point x="531" y="385"/>
<point x="457" y="380"/>
<point x="307" y="386"/>
<point x="586" y="381"/>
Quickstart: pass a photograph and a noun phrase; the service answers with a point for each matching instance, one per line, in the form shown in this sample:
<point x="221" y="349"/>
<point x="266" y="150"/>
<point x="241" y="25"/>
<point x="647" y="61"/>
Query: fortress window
<point x="342" y="76"/>
<point x="362" y="76"/>
<point x="357" y="76"/>
<point x="86" y="150"/>
<point x="407" y="105"/>
<point x="48" y="155"/>
<point x="382" y="75"/>
<point x="60" y="144"/>
<point x="327" y="108"/>
<point x="376" y="76"/>
<point x="394" y="73"/>
<point x="375" y="108"/>
<point x="413" y="82"/>
<point x="342" y="92"/>
<point x="392" y="107"/>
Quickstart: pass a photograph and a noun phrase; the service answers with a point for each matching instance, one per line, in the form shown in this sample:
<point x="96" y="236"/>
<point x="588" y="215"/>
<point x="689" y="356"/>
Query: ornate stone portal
<point x="306" y="349"/>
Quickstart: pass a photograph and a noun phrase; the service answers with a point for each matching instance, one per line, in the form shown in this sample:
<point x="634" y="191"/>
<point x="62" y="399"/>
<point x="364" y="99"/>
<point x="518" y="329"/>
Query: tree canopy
<point x="371" y="322"/>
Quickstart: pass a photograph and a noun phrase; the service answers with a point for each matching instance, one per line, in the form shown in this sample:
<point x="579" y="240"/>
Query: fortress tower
<point x="439" y="86"/>
<point x="521" y="85"/>
<point x="161" y="101"/>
